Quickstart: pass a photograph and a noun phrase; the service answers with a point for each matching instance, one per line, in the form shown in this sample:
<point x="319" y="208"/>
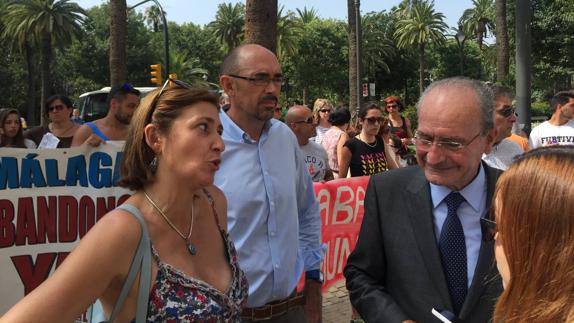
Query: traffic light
<point x="156" y="74"/>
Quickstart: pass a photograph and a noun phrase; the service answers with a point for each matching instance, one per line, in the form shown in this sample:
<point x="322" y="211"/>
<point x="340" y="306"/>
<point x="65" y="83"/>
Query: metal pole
<point x="523" y="64"/>
<point x="165" y="35"/>
<point x="358" y="50"/>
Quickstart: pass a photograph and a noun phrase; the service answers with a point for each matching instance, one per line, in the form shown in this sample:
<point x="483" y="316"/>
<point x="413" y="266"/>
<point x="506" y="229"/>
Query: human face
<point x="372" y="122"/>
<point x="324" y="112"/>
<point x="191" y="150"/>
<point x="11" y="125"/>
<point x="251" y="101"/>
<point x="126" y="108"/>
<point x="304" y="125"/>
<point x="567" y="110"/>
<point x="393" y="107"/>
<point x="503" y="124"/>
<point x="501" y="261"/>
<point x="58" y="111"/>
<point x="452" y="114"/>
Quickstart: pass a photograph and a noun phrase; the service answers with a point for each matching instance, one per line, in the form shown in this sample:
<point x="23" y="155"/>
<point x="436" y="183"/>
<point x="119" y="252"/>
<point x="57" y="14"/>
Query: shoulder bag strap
<point x="142" y="259"/>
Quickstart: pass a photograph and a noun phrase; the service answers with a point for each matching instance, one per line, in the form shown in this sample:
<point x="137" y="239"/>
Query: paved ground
<point x="336" y="305"/>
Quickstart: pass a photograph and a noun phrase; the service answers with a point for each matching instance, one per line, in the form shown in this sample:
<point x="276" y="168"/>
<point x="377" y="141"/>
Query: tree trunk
<point x="502" y="47"/>
<point x="31" y="110"/>
<point x="354" y="68"/>
<point x="118" y="41"/>
<point x="421" y="68"/>
<point x="46" y="74"/>
<point x="261" y="23"/>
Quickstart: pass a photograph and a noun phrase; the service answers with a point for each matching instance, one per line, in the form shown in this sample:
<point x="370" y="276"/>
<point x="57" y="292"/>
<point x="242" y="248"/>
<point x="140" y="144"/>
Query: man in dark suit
<point x="420" y="246"/>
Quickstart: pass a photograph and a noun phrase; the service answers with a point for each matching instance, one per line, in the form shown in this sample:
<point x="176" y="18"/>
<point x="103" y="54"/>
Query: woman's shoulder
<point x="219" y="203"/>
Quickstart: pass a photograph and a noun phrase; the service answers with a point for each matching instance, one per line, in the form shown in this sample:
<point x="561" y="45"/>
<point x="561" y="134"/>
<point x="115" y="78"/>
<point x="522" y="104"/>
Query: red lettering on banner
<point x="7" y="229"/>
<point x="87" y="215"/>
<point x="67" y="219"/>
<point x="26" y="222"/>
<point x="32" y="275"/>
<point x="104" y="208"/>
<point x="46" y="215"/>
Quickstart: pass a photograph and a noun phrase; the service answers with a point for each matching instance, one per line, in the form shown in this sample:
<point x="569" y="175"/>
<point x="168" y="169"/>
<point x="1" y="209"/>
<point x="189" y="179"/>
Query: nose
<point x="512" y="117"/>
<point x="273" y="87"/>
<point x="219" y="145"/>
<point x="434" y="155"/>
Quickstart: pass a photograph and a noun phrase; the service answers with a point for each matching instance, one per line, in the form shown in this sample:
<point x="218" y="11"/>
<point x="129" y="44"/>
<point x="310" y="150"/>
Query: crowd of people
<point x="231" y="242"/>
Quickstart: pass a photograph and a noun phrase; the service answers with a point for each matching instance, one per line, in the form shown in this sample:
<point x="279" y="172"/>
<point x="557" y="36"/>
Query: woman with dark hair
<point x="534" y="245"/>
<point x="335" y="137"/>
<point x="366" y="153"/>
<point x="174" y="141"/>
<point x="61" y="129"/>
<point x="11" y="130"/>
<point x="400" y="126"/>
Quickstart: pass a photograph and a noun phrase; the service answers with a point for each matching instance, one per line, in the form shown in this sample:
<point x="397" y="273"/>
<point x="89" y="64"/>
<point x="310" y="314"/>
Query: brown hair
<point x="135" y="170"/>
<point x="18" y="140"/>
<point x="536" y="227"/>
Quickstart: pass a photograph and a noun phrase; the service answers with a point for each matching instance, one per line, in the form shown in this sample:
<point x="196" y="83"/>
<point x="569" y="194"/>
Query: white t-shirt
<point x="316" y="160"/>
<point x="547" y="134"/>
<point x="503" y="154"/>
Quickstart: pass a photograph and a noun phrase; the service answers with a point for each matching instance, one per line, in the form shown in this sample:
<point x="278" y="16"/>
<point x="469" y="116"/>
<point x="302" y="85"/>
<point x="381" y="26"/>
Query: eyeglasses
<point x="154" y="102"/>
<point x="425" y="142"/>
<point x="260" y="79"/>
<point x="488" y="228"/>
<point x="507" y="111"/>
<point x="325" y="110"/>
<point x="373" y="120"/>
<point x="307" y="121"/>
<point x="58" y="107"/>
<point x="392" y="105"/>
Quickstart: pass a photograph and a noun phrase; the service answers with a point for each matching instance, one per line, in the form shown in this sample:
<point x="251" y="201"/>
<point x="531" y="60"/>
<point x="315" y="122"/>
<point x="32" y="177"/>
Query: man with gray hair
<point x="421" y="252"/>
<point x="300" y="119"/>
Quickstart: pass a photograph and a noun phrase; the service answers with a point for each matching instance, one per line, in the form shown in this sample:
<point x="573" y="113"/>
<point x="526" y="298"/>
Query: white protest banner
<point x="49" y="199"/>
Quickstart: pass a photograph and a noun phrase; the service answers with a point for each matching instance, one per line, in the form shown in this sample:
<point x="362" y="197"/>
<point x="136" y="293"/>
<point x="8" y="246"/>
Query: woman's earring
<point x="153" y="165"/>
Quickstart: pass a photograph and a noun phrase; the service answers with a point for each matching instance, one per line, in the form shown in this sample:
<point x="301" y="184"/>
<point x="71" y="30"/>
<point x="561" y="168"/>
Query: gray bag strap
<point x="141" y="260"/>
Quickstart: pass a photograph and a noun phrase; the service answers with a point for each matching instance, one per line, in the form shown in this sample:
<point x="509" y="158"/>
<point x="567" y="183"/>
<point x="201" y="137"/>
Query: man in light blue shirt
<point x="420" y="246"/>
<point x="273" y="217"/>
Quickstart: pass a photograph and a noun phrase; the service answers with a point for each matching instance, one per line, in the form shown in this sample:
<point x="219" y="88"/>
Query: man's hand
<point x="94" y="140"/>
<point x="313" y="301"/>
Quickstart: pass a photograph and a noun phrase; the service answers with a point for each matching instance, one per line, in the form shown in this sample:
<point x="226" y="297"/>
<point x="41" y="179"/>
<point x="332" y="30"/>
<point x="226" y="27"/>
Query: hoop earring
<point x="153" y="165"/>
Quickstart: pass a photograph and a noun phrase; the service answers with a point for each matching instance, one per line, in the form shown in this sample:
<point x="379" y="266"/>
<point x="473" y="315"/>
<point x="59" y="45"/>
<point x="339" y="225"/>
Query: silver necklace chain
<point x="368" y="144"/>
<point x="190" y="247"/>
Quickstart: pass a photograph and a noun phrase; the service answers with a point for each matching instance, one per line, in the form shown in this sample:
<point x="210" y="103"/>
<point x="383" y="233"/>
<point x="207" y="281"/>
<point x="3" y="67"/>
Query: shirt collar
<point x="233" y="132"/>
<point x="472" y="192"/>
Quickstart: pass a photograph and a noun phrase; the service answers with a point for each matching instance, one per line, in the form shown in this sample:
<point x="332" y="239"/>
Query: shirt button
<point x="272" y="233"/>
<point x="276" y="265"/>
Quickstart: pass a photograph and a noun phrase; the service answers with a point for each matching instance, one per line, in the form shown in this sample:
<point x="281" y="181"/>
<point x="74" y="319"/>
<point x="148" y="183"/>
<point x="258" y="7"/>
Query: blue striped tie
<point x="453" y="252"/>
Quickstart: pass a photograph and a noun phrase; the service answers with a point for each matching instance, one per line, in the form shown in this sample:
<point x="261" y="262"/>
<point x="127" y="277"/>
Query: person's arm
<point x="345" y="155"/>
<point x="366" y="266"/>
<point x="84" y="135"/>
<point x="409" y="140"/>
<point x="103" y="255"/>
<point x="340" y="144"/>
<point x="328" y="175"/>
<point x="389" y="154"/>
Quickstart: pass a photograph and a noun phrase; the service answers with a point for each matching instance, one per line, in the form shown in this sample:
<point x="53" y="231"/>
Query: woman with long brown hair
<point x="11" y="135"/>
<point x="534" y="212"/>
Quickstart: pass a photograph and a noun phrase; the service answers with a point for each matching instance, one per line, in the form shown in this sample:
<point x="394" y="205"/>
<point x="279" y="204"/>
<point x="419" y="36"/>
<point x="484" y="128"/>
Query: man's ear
<point x="227" y="85"/>
<point x="153" y="138"/>
<point x="491" y="136"/>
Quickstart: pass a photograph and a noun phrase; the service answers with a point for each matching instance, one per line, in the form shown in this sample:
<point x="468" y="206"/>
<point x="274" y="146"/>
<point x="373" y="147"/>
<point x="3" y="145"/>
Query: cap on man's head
<point x="120" y="91"/>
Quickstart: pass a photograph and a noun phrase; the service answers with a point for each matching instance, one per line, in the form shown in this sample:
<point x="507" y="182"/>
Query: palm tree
<point x="376" y="46"/>
<point x="40" y="24"/>
<point x="502" y="48"/>
<point x="261" y="23"/>
<point x="153" y="17"/>
<point x="422" y="27"/>
<point x="305" y="16"/>
<point x="228" y="24"/>
<point x="118" y="42"/>
<point x="288" y="31"/>
<point x="186" y="69"/>
<point x="354" y="48"/>
<point x="479" y="21"/>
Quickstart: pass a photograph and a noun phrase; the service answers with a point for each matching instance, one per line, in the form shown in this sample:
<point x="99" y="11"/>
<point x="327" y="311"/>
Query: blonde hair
<point x="318" y="105"/>
<point x="535" y="218"/>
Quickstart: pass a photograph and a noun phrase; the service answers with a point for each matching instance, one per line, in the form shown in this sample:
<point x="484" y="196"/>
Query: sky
<point x="202" y="12"/>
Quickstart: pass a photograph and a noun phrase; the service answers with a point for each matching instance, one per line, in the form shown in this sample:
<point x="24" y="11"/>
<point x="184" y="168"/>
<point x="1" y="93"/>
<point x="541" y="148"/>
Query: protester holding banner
<point x="366" y="153"/>
<point x="173" y="142"/>
<point x="335" y="138"/>
<point x="536" y="260"/>
<point x="61" y="129"/>
<point x="11" y="130"/>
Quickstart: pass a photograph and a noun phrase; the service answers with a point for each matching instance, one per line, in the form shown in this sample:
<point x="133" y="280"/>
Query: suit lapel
<point x="486" y="254"/>
<point x="419" y="209"/>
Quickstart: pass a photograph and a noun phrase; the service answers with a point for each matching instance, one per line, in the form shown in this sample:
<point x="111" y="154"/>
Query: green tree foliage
<point x="305" y="15"/>
<point x="479" y="20"/>
<point x="229" y="24"/>
<point x="289" y="30"/>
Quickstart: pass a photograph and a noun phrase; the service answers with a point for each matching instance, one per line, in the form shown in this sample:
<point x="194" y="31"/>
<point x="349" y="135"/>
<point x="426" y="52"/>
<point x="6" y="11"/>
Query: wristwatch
<point x="315" y="275"/>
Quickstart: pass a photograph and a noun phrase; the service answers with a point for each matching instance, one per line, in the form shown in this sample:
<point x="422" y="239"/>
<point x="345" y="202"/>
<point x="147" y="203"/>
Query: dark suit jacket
<point x="395" y="272"/>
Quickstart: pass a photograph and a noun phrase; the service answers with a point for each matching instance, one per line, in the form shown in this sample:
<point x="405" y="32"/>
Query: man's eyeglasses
<point x="260" y="79"/>
<point x="373" y="120"/>
<point x="425" y="142"/>
<point x="307" y="121"/>
<point x="488" y="228"/>
<point x="507" y="111"/>
<point x="58" y="107"/>
<point x="154" y="102"/>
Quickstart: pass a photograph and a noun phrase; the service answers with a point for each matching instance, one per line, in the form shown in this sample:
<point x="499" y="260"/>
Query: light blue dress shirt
<point x="469" y="213"/>
<point x="273" y="217"/>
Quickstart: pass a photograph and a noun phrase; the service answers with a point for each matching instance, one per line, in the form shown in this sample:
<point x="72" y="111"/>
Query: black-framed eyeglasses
<point x="261" y="79"/>
<point x="425" y="142"/>
<point x="507" y="111"/>
<point x="374" y="120"/>
<point x="488" y="228"/>
<point x="155" y="100"/>
<point x="58" y="107"/>
<point x="325" y="110"/>
<point x="309" y="120"/>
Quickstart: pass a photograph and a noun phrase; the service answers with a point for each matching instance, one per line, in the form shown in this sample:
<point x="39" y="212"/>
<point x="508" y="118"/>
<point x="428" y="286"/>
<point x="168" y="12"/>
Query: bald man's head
<point x="300" y="119"/>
